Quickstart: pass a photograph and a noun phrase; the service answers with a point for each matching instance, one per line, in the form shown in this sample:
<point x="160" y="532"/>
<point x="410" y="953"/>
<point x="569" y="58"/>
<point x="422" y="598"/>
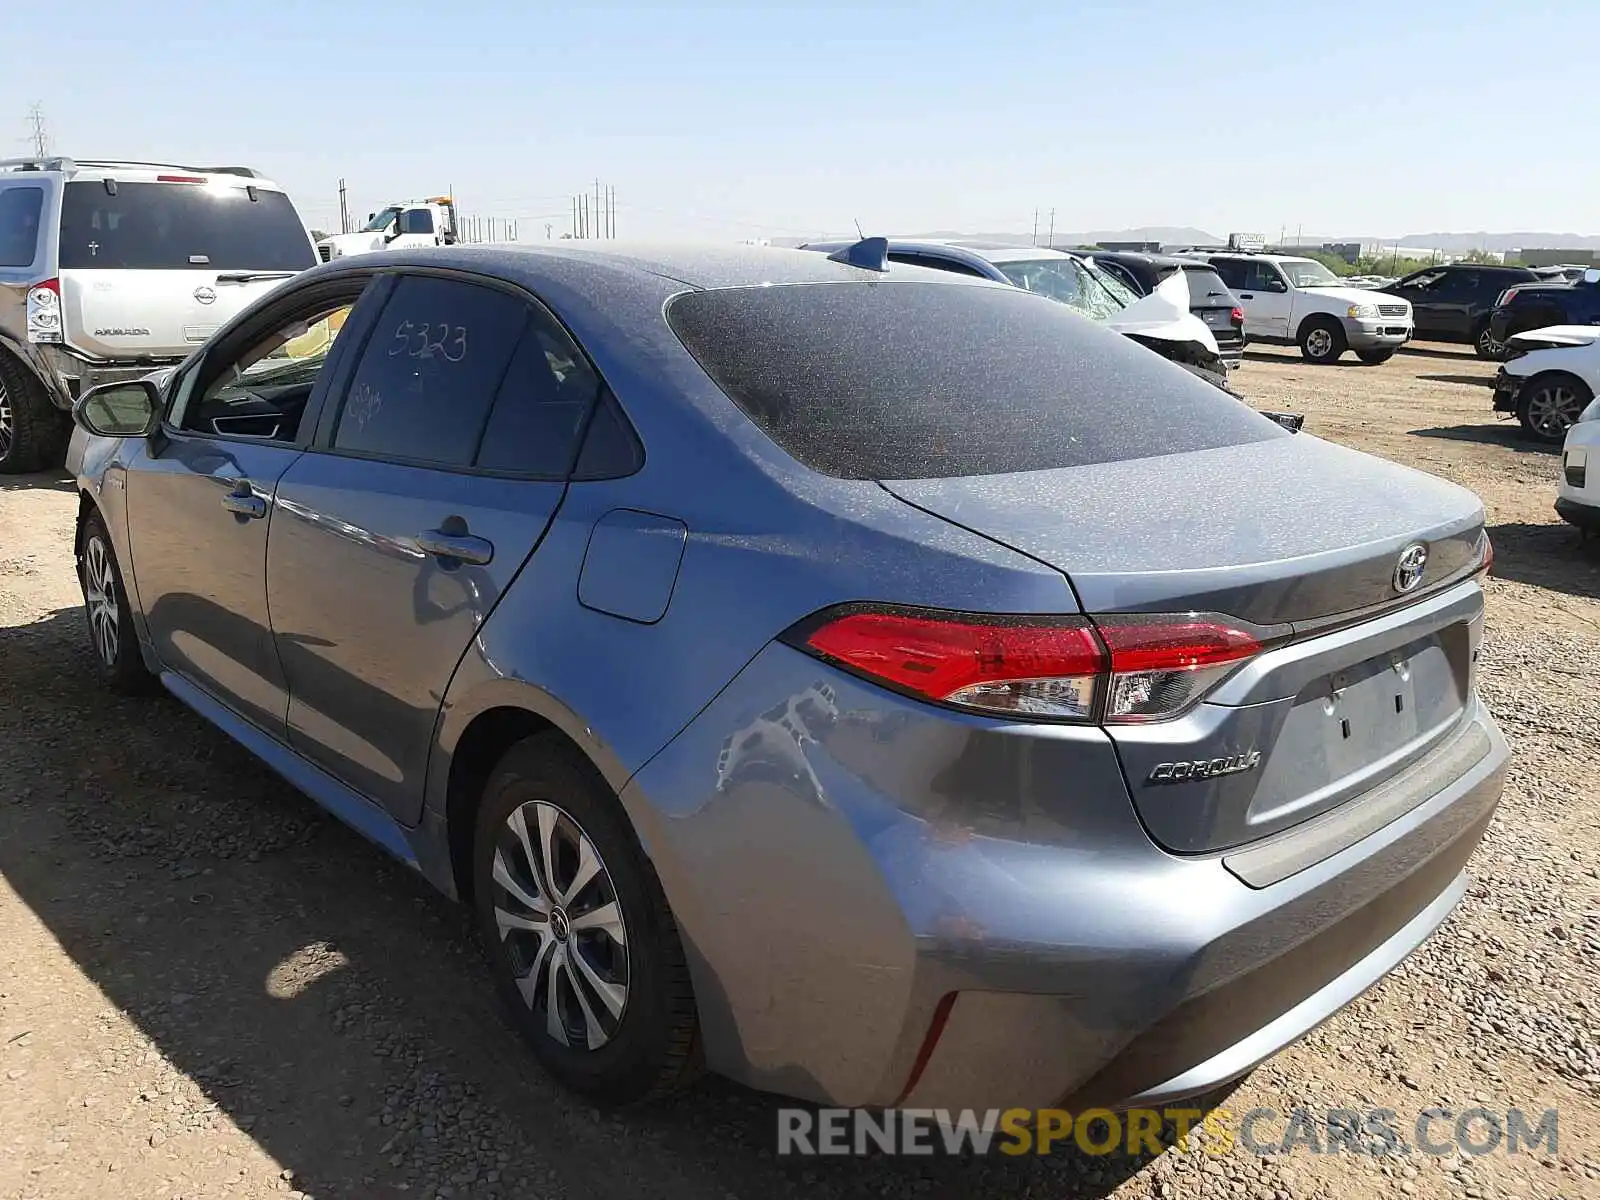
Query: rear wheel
<point x="584" y="949"/>
<point x="1487" y="345"/>
<point x="1322" y="341"/>
<point x="1374" y="357"/>
<point x="1549" y="406"/>
<point x="33" y="432"/>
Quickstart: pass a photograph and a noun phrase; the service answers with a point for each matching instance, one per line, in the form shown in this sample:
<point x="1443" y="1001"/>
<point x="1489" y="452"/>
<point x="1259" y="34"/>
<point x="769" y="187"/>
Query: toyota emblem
<point x="204" y="294"/>
<point x="1408" y="570"/>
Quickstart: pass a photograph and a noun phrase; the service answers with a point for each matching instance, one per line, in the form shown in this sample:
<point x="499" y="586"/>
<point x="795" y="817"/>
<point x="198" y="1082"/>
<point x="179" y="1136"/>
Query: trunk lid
<point x="1295" y="535"/>
<point x="133" y="315"/>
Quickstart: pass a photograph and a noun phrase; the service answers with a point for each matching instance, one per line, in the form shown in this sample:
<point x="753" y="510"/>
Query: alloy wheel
<point x="560" y="925"/>
<point x="100" y="598"/>
<point x="1489" y="345"/>
<point x="6" y="424"/>
<point x="1319" y="343"/>
<point x="1553" y="409"/>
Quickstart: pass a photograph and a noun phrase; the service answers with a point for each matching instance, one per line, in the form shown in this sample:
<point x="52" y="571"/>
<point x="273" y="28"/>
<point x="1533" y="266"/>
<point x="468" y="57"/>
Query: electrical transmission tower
<point x="38" y="131"/>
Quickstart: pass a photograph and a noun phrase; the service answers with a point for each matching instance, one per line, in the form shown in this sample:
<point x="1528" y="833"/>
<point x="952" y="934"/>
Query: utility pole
<point x="1036" y="227"/>
<point x="1052" y="242"/>
<point x="598" y="228"/>
<point x="38" y="132"/>
<point x="344" y="209"/>
<point x="611" y="211"/>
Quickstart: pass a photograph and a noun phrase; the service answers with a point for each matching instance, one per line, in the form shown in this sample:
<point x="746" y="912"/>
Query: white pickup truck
<point x="398" y="226"/>
<point x="1299" y="302"/>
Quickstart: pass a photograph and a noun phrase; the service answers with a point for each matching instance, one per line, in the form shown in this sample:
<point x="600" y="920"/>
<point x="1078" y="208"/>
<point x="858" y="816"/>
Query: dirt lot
<point x="207" y="988"/>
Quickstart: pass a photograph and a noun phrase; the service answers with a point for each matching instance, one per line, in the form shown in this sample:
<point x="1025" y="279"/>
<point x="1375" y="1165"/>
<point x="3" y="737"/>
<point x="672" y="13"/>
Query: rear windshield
<point x="935" y="381"/>
<point x="20" y="209"/>
<point x="1206" y="287"/>
<point x="181" y="226"/>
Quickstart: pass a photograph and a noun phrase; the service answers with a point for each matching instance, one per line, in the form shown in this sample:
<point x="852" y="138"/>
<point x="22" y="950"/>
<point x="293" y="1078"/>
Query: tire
<point x="1549" y="404"/>
<point x="1487" y="346"/>
<point x="33" y="432"/>
<point x="105" y="602"/>
<point x="1322" y="341"/>
<point x="1374" y="358"/>
<point x="644" y="1042"/>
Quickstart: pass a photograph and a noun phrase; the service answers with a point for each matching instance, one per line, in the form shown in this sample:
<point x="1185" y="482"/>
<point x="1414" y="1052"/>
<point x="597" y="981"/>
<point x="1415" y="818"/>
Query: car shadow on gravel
<point x="1507" y="434"/>
<point x="54" y="481"/>
<point x="325" y="999"/>
<point x="1442" y="350"/>
<point x="1553" y="556"/>
<point x="1482" y="381"/>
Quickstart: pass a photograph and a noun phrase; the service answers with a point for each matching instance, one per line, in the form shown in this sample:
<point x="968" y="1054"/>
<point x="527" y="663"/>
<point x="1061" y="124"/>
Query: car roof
<point x="1151" y="258"/>
<point x="601" y="265"/>
<point x="958" y="250"/>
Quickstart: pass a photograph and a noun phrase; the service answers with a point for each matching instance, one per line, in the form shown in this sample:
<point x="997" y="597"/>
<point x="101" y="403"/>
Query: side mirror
<point x="1277" y="285"/>
<point x="392" y="232"/>
<point x="1592" y="275"/>
<point x="1293" y="422"/>
<point x="130" y="409"/>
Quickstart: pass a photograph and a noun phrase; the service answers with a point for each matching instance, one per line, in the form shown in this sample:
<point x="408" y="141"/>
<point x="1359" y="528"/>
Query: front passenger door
<point x="432" y="481"/>
<point x="201" y="492"/>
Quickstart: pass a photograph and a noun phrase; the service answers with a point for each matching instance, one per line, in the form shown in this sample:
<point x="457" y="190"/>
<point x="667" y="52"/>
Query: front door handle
<point x="1247" y="295"/>
<point x="458" y="547"/>
<point x="243" y="502"/>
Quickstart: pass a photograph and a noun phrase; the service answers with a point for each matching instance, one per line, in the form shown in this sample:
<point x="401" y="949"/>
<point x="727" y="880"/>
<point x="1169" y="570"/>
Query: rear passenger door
<point x="430" y="482"/>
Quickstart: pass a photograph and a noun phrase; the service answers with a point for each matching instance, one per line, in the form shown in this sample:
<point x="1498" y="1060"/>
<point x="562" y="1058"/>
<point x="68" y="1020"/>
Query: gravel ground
<point x="207" y="988"/>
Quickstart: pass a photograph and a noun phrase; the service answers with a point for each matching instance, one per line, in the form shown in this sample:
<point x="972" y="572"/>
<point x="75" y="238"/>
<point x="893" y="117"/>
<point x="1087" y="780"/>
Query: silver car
<point x="877" y="688"/>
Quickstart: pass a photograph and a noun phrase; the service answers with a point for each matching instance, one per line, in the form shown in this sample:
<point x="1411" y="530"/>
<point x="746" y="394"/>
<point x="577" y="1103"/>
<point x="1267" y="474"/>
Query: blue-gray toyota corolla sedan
<point x="875" y="687"/>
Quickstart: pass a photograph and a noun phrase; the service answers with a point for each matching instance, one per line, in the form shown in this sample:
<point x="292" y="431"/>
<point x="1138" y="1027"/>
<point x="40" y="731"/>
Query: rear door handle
<point x="1247" y="295"/>
<point x="243" y="502"/>
<point x="461" y="547"/>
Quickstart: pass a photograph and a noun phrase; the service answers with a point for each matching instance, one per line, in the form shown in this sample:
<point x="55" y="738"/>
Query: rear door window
<point x="21" y="209"/>
<point x="429" y="372"/>
<point x="1231" y="270"/>
<point x="181" y="227"/>
<point x="542" y="405"/>
<point x="919" y="381"/>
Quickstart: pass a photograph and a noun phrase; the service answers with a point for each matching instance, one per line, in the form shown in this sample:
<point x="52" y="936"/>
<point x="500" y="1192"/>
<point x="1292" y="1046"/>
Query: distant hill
<point x="1185" y="235"/>
<point x="1167" y="235"/>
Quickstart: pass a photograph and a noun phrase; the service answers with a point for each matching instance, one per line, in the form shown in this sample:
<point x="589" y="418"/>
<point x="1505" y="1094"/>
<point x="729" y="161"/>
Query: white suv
<point x="109" y="270"/>
<point x="1299" y="302"/>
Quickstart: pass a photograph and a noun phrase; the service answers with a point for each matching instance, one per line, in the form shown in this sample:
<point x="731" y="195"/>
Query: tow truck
<point x="399" y="226"/>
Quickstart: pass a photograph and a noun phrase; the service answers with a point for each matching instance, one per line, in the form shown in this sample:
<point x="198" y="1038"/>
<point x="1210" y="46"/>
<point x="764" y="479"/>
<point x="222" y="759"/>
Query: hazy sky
<point x="732" y="121"/>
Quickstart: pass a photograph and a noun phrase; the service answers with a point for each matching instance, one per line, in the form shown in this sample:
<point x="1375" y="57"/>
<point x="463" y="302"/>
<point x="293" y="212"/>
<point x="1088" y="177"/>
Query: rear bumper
<point x="67" y="376"/>
<point x="890" y="904"/>
<point x="1577" y="513"/>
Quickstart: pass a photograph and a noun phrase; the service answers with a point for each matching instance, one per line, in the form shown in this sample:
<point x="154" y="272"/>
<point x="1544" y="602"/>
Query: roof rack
<point x="62" y="163"/>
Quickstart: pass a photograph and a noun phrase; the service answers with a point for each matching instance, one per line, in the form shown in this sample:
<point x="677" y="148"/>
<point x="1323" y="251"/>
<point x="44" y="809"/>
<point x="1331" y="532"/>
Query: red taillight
<point x="1488" y="556"/>
<point x="1115" y="669"/>
<point x="1237" y="316"/>
<point x="1161" y="666"/>
<point x="43" y="312"/>
<point x="1023" y="666"/>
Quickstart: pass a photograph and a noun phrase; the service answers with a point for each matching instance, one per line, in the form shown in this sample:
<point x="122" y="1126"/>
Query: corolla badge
<point x="1408" y="570"/>
<point x="204" y="294"/>
<point x="1204" y="768"/>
